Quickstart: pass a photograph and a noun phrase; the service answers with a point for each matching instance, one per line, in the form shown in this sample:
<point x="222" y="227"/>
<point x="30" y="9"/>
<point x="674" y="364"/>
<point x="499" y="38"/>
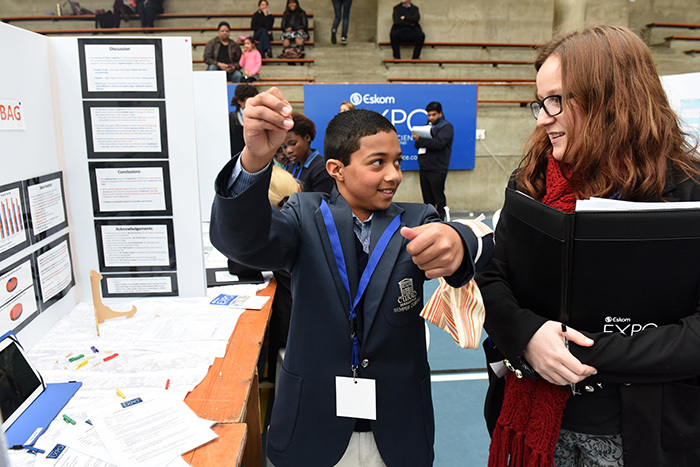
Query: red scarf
<point x="528" y="427"/>
<point x="559" y="194"/>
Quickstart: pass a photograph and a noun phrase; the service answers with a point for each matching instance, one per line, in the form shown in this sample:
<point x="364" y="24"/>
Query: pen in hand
<point x="566" y="344"/>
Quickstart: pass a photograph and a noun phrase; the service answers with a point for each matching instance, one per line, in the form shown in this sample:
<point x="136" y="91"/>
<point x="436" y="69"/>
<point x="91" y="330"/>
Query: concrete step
<point x="355" y="62"/>
<point x="464" y="53"/>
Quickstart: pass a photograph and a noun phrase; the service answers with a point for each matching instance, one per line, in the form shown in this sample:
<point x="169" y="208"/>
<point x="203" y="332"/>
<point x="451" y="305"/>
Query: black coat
<point x="236" y="133"/>
<point x="296" y="20"/>
<point x="261" y="21"/>
<point x="438" y="148"/>
<point x="657" y="370"/>
<point x="411" y="17"/>
<point x="313" y="176"/>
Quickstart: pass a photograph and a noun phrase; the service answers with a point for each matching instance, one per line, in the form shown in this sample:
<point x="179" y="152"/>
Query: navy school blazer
<point x="304" y="428"/>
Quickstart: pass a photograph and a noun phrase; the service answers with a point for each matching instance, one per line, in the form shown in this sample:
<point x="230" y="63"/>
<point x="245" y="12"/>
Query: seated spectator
<point x="261" y="24"/>
<point x="241" y="94"/>
<point x="307" y="164"/>
<point x="406" y="29"/>
<point x="221" y="53"/>
<point x="345" y="106"/>
<point x="250" y="62"/>
<point x="295" y="25"/>
<point x="147" y="10"/>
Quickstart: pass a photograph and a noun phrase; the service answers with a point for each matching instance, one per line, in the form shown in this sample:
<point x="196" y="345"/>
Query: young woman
<point x="605" y="129"/>
<point x="261" y="24"/>
<point x="307" y="165"/>
<point x="295" y="25"/>
<point x="250" y="62"/>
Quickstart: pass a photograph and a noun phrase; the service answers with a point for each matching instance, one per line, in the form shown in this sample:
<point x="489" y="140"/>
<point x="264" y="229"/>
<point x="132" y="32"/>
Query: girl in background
<point x="250" y="62"/>
<point x="307" y="164"/>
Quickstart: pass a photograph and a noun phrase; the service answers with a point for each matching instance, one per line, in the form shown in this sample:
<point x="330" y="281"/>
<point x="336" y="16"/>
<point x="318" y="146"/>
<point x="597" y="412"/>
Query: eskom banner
<point x="404" y="105"/>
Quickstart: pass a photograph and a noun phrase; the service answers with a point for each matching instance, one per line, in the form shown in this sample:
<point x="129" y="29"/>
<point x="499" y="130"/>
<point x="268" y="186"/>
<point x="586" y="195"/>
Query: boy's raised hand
<point x="436" y="248"/>
<point x="267" y="117"/>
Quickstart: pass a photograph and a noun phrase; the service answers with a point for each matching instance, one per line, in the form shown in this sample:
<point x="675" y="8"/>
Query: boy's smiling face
<point x="370" y="181"/>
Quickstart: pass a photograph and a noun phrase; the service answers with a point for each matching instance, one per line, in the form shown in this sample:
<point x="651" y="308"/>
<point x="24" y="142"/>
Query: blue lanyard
<point x="366" y="275"/>
<point x="294" y="171"/>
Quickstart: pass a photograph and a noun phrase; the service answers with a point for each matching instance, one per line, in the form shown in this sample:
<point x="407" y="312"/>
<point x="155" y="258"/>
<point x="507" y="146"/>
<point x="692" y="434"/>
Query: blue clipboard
<point x="38" y="416"/>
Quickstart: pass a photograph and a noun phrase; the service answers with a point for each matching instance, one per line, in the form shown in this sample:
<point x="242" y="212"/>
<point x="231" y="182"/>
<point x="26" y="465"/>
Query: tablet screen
<point x="19" y="382"/>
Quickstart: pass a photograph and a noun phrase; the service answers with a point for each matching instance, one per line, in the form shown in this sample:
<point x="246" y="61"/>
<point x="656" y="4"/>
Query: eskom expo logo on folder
<point x="587" y="267"/>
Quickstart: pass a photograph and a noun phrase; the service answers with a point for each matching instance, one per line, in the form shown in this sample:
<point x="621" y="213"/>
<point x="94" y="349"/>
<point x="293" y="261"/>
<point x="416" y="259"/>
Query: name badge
<point x="355" y="397"/>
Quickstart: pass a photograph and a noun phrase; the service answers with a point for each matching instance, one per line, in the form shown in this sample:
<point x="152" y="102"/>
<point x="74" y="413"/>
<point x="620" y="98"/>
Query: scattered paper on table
<point x="150" y="433"/>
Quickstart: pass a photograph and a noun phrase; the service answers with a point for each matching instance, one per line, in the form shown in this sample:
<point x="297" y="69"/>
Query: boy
<point x="355" y="340"/>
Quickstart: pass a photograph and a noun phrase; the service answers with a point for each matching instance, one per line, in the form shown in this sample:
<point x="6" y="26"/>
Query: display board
<point x="37" y="281"/>
<point x="212" y="126"/>
<point x="96" y="144"/>
<point x="132" y="140"/>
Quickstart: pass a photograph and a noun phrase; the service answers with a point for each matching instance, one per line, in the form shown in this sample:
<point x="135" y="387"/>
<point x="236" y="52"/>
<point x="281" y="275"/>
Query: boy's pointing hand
<point x="436" y="248"/>
<point x="266" y="117"/>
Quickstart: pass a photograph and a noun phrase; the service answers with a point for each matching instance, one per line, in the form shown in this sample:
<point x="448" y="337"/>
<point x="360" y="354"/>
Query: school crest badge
<point x="408" y="297"/>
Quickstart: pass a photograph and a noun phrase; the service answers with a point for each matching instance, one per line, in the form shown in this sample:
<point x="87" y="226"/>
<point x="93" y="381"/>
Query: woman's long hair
<point x="629" y="137"/>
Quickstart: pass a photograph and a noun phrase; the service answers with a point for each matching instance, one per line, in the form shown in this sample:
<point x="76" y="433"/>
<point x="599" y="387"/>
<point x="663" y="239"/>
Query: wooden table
<point x="228" y="395"/>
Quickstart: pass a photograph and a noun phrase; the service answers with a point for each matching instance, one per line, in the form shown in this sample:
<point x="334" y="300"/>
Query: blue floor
<point x="461" y="438"/>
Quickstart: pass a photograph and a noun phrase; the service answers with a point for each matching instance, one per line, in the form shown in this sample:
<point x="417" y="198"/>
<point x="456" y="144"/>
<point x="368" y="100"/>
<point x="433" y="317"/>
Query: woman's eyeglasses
<point x="550" y="104"/>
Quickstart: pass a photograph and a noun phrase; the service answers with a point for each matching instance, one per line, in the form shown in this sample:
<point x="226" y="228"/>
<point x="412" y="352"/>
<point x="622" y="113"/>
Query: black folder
<point x="603" y="271"/>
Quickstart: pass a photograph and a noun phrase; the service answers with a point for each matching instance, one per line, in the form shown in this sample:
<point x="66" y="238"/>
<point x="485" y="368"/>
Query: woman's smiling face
<point x="560" y="127"/>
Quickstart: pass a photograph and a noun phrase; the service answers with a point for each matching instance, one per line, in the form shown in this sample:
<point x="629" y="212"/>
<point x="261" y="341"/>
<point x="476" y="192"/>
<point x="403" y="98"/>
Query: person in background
<point x="406" y="29"/>
<point x="345" y="106"/>
<point x="295" y="25"/>
<point x="307" y="164"/>
<point x="148" y="9"/>
<point x="250" y="62"/>
<point x="222" y="53"/>
<point x="605" y="129"/>
<point x="342" y="9"/>
<point x="434" y="162"/>
<point x="241" y="94"/>
<point x="261" y="23"/>
<point x="281" y="160"/>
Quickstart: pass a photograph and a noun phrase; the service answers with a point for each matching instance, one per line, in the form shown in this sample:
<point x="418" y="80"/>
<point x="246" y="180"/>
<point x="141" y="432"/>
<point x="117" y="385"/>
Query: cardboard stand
<point x="102" y="311"/>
